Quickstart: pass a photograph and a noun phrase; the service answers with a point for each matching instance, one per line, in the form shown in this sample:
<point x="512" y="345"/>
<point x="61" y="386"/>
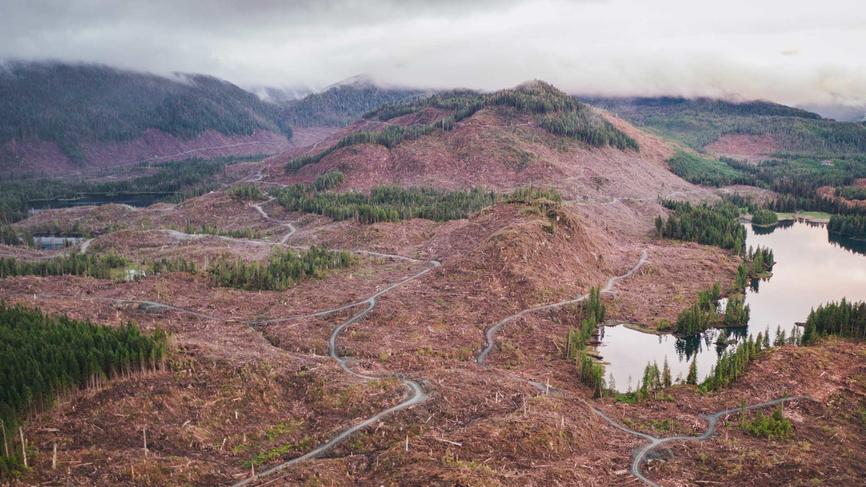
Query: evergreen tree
<point x="692" y="378"/>
<point x="666" y="374"/>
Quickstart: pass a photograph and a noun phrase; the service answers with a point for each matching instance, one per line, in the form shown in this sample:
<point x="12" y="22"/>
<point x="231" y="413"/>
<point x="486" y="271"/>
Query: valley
<point x="391" y="300"/>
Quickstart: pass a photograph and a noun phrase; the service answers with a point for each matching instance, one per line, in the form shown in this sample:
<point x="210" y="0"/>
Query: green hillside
<point x="699" y="122"/>
<point x="69" y="104"/>
<point x="342" y="104"/>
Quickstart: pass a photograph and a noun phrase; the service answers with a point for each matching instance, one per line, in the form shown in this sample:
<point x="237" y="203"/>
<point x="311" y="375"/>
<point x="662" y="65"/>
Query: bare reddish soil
<point x="37" y="156"/>
<point x="744" y="147"/>
<point x="498" y="148"/>
<point x="239" y="385"/>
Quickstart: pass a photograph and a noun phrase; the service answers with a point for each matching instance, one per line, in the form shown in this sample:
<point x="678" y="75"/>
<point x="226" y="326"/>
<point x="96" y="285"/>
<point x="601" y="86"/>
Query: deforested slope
<point x="532" y="134"/>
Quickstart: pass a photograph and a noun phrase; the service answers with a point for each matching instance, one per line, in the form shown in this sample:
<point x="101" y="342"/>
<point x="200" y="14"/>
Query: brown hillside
<point x="501" y="148"/>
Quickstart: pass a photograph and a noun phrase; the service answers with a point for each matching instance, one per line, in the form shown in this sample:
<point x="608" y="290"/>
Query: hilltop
<point x="532" y="134"/>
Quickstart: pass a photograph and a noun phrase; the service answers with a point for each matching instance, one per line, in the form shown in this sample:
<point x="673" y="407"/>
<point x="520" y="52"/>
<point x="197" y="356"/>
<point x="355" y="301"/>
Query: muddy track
<point x="490" y="334"/>
<point x="415" y="392"/>
<point x="639" y="456"/>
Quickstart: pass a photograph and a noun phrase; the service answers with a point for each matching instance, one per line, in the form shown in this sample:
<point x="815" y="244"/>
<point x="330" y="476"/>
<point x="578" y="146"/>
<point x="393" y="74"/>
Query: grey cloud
<point x="618" y="47"/>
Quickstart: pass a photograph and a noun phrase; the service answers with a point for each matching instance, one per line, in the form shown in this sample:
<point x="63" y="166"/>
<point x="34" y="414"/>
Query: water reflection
<point x="810" y="270"/>
<point x="850" y="244"/>
<point x="766" y="230"/>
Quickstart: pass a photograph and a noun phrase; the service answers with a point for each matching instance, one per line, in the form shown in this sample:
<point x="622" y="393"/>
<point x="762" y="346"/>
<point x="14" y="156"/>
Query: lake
<point x="810" y="270"/>
<point x="133" y="199"/>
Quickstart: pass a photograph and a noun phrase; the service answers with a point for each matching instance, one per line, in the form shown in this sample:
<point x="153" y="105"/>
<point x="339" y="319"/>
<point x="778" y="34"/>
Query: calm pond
<point x="131" y="199"/>
<point x="810" y="270"/>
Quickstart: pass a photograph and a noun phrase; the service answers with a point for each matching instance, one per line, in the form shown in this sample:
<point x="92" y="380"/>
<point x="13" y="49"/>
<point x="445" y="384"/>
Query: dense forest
<point x="699" y="122"/>
<point x="555" y="111"/>
<point x="171" y="181"/>
<point x="341" y="105"/>
<point x="394" y="203"/>
<point x="853" y="226"/>
<point x="711" y="225"/>
<point x="797" y="179"/>
<point x="44" y="356"/>
<point x="852" y="192"/>
<point x="283" y="269"/>
<point x="841" y="318"/>
<point x="590" y="372"/>
<point x="385" y="203"/>
<point x="71" y="103"/>
<point x="99" y="266"/>
<point x="763" y="216"/>
<point x="704" y="170"/>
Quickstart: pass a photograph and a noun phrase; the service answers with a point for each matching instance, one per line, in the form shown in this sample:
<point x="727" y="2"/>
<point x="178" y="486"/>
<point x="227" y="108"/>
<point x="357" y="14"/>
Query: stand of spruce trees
<point x="853" y="226"/>
<point x="710" y="225"/>
<point x="590" y="371"/>
<point x="841" y="318"/>
<point x="93" y="265"/>
<point x="283" y="269"/>
<point x="44" y="356"/>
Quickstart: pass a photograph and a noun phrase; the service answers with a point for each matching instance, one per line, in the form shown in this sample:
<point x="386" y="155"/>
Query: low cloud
<point x="784" y="51"/>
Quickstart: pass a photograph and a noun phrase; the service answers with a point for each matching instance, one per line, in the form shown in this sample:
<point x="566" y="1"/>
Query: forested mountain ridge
<point x="343" y="103"/>
<point x="86" y="110"/>
<point x="711" y="124"/>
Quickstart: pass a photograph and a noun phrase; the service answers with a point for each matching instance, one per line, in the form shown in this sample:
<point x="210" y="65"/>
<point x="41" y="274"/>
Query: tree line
<point x="590" y="372"/>
<point x="172" y="181"/>
<point x="386" y="203"/>
<point x="93" y="265"/>
<point x="843" y="318"/>
<point x="283" y="269"/>
<point x="851" y="192"/>
<point x="853" y="226"/>
<point x="245" y="192"/>
<point x="44" y="356"/>
<point x="710" y="225"/>
<point x="763" y="216"/>
<point x="704" y="313"/>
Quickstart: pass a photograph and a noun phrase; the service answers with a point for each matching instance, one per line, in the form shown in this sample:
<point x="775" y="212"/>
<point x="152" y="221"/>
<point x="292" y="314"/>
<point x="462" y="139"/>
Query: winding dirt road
<point x="490" y="334"/>
<point x="640" y="455"/>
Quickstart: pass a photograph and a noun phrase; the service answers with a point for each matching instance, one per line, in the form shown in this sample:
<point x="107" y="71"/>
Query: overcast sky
<point x="791" y="51"/>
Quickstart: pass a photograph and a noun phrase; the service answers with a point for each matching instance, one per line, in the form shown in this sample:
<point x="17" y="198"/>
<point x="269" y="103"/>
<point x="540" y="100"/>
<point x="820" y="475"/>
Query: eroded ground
<point x="251" y="382"/>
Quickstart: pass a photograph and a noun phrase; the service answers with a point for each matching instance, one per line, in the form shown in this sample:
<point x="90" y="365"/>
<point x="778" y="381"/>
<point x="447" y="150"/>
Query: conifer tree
<point x="692" y="378"/>
<point x="666" y="374"/>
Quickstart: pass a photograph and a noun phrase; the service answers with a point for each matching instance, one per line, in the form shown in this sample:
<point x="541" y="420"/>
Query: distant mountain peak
<point x="357" y="81"/>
